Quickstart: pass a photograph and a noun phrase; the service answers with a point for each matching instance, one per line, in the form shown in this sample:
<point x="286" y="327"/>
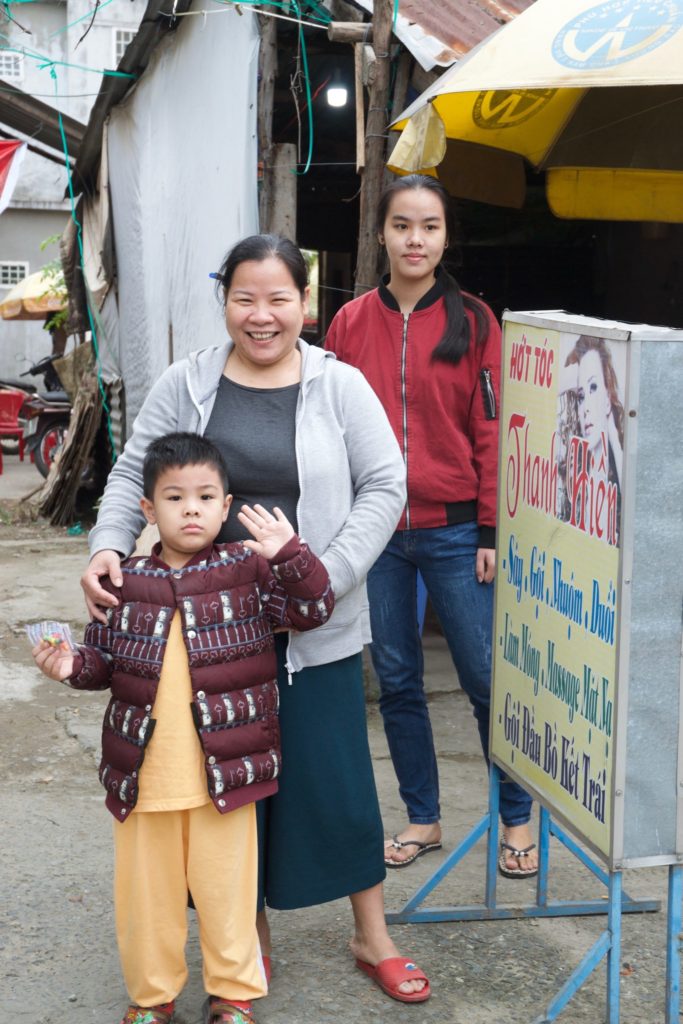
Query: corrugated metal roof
<point x="461" y="24"/>
<point x="439" y="32"/>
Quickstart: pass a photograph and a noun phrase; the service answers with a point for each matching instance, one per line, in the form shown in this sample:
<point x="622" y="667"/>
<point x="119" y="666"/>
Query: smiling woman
<point x="301" y="431"/>
<point x="264" y="313"/>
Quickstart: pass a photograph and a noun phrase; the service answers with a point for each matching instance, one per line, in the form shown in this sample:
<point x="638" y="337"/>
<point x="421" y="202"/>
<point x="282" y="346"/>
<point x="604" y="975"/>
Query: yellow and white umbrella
<point x="590" y="92"/>
<point x="35" y="298"/>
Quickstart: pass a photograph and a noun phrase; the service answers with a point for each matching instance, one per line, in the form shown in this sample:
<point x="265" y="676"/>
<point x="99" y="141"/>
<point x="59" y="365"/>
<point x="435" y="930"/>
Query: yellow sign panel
<point x="559" y="510"/>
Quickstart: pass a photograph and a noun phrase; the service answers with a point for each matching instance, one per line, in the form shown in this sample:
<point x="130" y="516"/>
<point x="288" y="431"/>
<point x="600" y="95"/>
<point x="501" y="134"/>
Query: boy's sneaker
<point x="149" y="1014"/>
<point x="221" y="1011"/>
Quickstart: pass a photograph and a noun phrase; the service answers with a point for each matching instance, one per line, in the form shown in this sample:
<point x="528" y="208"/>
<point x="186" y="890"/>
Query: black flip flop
<point x="507" y="872"/>
<point x="399" y="844"/>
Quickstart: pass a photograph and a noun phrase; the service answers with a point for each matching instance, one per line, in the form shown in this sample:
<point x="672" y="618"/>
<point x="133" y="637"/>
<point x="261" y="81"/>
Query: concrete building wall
<point x="42" y="184"/>
<point x="44" y="22"/>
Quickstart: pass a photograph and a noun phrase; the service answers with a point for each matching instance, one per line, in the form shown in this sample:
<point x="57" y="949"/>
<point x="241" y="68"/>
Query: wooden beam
<point x="360" y="106"/>
<point x="375" y="150"/>
<point x="349" y="32"/>
<point x="280" y="183"/>
<point x="369" y="66"/>
<point x="266" y="94"/>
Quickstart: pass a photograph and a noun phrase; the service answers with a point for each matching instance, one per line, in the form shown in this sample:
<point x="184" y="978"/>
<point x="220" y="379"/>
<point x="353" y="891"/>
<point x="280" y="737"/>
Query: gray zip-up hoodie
<point x="351" y="479"/>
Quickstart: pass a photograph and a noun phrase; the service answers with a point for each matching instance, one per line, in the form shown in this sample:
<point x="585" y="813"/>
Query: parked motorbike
<point x="45" y="415"/>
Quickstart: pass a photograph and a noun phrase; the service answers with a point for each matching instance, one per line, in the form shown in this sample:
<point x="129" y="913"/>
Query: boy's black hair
<point x="173" y="451"/>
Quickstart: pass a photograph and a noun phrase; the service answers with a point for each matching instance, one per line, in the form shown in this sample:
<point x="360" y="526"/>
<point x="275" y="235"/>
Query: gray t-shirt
<point x="254" y="429"/>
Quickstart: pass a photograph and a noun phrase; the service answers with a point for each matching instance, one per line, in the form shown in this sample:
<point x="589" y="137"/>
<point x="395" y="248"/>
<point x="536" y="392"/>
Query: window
<point x="11" y="66"/>
<point x="122" y="36"/>
<point x="12" y="272"/>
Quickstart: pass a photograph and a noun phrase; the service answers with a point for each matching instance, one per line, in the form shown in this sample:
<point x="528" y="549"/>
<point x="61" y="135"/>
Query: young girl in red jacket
<point x="432" y="355"/>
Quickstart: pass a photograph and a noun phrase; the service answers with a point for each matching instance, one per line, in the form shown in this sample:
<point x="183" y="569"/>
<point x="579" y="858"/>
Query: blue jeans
<point x="445" y="557"/>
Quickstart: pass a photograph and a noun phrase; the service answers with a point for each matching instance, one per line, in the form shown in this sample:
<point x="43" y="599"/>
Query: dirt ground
<point x="56" y="928"/>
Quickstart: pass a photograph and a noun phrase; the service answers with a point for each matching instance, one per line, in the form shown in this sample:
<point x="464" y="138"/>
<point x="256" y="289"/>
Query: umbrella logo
<point x="506" y="108"/>
<point x="616" y="32"/>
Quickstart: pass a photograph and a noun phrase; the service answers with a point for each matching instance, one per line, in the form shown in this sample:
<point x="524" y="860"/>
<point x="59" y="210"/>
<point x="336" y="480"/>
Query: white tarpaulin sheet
<point x="183" y="184"/>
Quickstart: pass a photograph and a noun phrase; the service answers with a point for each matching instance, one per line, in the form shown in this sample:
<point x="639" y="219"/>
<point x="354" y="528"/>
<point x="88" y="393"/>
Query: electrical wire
<point x="307" y="82"/>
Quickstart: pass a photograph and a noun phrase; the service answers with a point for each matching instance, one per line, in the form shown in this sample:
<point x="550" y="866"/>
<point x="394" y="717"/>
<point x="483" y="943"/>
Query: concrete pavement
<point x="18" y="478"/>
<point x="56" y="928"/>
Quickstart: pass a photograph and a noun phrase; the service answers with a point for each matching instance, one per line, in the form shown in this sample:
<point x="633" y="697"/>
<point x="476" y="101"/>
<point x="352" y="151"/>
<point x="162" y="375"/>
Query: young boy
<point x="191" y="730"/>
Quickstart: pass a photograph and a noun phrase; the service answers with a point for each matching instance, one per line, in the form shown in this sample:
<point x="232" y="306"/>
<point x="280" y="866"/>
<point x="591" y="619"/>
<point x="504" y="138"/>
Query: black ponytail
<point x="456" y="338"/>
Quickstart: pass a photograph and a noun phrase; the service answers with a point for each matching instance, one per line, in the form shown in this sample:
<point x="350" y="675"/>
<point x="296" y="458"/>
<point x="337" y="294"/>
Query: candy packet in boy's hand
<point x="57" y="634"/>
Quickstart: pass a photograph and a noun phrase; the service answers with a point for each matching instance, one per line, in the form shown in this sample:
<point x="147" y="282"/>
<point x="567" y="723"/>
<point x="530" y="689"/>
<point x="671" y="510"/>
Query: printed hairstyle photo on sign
<point x="590" y="435"/>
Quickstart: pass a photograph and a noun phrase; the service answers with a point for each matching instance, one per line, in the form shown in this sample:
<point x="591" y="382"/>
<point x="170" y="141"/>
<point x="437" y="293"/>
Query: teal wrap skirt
<point x="321" y="836"/>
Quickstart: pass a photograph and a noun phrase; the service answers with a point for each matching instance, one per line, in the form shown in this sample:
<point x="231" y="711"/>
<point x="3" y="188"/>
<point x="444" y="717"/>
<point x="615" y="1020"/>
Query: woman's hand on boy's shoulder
<point x="97" y="599"/>
<point x="271" y="531"/>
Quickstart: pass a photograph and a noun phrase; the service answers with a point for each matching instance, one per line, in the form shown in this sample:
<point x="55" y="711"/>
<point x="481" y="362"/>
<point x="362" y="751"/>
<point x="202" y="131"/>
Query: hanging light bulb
<point x="337" y="93"/>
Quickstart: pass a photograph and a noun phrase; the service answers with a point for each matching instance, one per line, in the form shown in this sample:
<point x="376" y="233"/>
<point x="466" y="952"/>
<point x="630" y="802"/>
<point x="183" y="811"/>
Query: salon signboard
<point x="571" y="528"/>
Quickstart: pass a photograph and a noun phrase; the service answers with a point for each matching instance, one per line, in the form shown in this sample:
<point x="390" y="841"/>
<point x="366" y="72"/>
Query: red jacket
<point x="229" y="601"/>
<point x="436" y="409"/>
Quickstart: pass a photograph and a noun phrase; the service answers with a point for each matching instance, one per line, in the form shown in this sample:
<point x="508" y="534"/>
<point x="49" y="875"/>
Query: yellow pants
<point x="159" y="856"/>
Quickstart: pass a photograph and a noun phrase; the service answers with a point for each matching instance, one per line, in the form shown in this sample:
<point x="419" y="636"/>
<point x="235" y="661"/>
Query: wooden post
<point x="375" y="147"/>
<point x="280" y="214"/>
<point x="268" y="73"/>
<point x="360" y="106"/>
<point x="349" y="32"/>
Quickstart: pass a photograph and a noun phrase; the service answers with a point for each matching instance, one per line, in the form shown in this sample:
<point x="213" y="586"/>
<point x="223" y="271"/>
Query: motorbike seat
<point x="17" y="385"/>
<point x="59" y="397"/>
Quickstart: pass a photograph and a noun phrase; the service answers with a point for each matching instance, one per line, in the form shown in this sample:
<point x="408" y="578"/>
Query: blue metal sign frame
<point x="618" y="902"/>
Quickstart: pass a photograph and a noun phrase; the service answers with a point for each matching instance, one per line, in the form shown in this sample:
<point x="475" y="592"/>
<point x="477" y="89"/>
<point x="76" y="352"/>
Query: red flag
<point x="11" y="155"/>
